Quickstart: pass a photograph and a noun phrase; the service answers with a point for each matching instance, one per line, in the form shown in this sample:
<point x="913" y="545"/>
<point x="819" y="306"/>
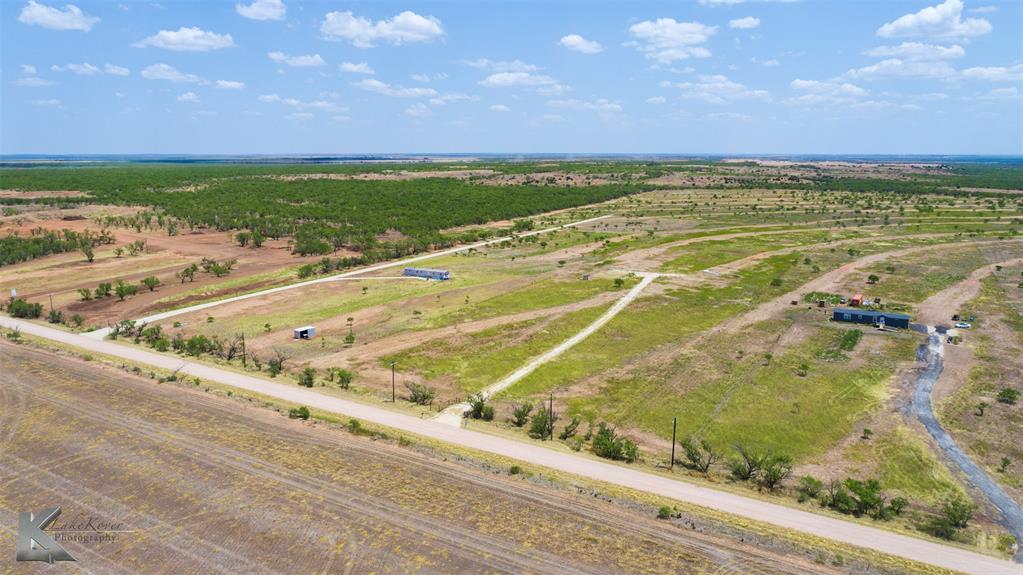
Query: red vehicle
<point x="857" y="300"/>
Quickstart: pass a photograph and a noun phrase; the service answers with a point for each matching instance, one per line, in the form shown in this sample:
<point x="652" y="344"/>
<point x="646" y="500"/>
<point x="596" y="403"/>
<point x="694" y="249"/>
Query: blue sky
<point x="708" y="76"/>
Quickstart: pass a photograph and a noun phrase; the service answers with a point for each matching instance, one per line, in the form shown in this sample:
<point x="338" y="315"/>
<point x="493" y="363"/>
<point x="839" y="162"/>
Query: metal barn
<point x="428" y="273"/>
<point x="305" y="332"/>
<point x="870" y="317"/>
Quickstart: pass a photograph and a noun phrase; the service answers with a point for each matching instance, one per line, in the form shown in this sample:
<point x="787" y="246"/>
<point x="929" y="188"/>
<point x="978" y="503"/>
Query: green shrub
<point x="301" y="412"/>
<point x="608" y="444"/>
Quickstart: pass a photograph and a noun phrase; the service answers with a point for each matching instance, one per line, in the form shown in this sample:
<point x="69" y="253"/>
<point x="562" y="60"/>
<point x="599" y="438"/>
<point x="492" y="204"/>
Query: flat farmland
<point x="204" y="484"/>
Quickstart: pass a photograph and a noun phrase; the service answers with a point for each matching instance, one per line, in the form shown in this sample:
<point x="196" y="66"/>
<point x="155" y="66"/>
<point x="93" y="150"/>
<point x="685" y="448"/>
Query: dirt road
<point x="932" y="353"/>
<point x="836" y="529"/>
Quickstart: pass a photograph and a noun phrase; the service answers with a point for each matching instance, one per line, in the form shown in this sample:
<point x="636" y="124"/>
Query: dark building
<point x="870" y="317"/>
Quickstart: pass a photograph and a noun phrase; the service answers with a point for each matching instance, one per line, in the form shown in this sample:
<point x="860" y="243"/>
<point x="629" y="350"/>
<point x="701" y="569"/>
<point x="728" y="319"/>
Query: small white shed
<point x="306" y="332"/>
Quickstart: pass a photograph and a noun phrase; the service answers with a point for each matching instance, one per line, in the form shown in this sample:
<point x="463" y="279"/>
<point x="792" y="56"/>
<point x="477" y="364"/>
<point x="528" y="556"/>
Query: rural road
<point x="102" y="333"/>
<point x="827" y="527"/>
<point x="933" y="353"/>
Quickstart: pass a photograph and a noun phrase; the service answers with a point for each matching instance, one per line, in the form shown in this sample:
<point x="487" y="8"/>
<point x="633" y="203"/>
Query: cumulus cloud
<point x="405" y="28"/>
<point x="720" y="2"/>
<point x="83" y="69"/>
<point x="656" y="100"/>
<point x="70" y="17"/>
<point x="305" y="61"/>
<point x="28" y="69"/>
<point x="666" y="40"/>
<point x="374" y="85"/>
<point x="918" y="51"/>
<point x="419" y="110"/>
<point x="717" y="89"/>
<point x="577" y="43"/>
<point x="500" y="108"/>
<point x="896" y="67"/>
<point x="116" y="70"/>
<point x="501" y="65"/>
<point x="170" y="74"/>
<point x="995" y="73"/>
<point x="189" y="97"/>
<point x="299" y="116"/>
<point x="942" y="21"/>
<point x="262" y="10"/>
<point x="360" y="68"/>
<point x="747" y="23"/>
<point x="304" y="106"/>
<point x="599" y="105"/>
<point x="184" y="39"/>
<point x="230" y="85"/>
<point x="452" y="97"/>
<point x="826" y="92"/>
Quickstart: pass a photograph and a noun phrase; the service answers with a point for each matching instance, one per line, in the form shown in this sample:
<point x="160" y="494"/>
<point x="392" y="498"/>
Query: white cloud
<point x="230" y="85"/>
<point x="51" y="103"/>
<point x="717" y="89"/>
<point x="116" y="70"/>
<point x="83" y="69"/>
<point x="826" y="92"/>
<point x="405" y="28"/>
<point x="452" y="97"/>
<point x="374" y="85"/>
<point x="995" y="73"/>
<point x="720" y="2"/>
<point x="770" y="63"/>
<point x="918" y="51"/>
<point x="189" y="97"/>
<point x="998" y="94"/>
<point x="70" y="17"/>
<point x="170" y="74"/>
<point x="747" y="23"/>
<point x="303" y="105"/>
<point x="28" y="69"/>
<point x="184" y="39"/>
<point x="33" y="81"/>
<point x="983" y="9"/>
<point x="942" y="21"/>
<point x="501" y="65"/>
<point x="577" y="43"/>
<point x="87" y="69"/>
<point x="666" y="40"/>
<point x="419" y="110"/>
<point x="262" y="10"/>
<point x="500" y="108"/>
<point x="360" y="68"/>
<point x="728" y="117"/>
<point x="305" y="61"/>
<point x="599" y="105"/>
<point x="895" y="68"/>
<point x="544" y="85"/>
<point x="657" y="100"/>
<point x="299" y="116"/>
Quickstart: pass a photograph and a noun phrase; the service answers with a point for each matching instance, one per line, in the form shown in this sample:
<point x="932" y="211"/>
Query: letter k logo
<point x="33" y="543"/>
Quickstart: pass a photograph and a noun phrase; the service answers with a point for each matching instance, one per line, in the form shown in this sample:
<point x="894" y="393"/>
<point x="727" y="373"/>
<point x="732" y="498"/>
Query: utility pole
<point x="550" y="418"/>
<point x="51" y="302"/>
<point x="243" y="350"/>
<point x="674" y="425"/>
<point x="393" y="398"/>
